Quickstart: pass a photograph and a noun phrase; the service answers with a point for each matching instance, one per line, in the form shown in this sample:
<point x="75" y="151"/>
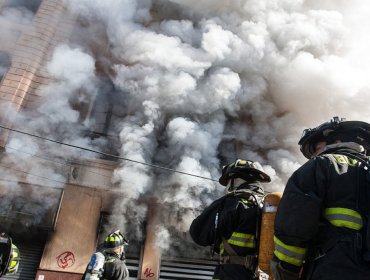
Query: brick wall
<point x="20" y="87"/>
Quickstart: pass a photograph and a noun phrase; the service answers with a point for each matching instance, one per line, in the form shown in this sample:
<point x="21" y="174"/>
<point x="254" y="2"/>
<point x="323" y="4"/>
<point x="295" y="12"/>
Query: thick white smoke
<point x="206" y="82"/>
<point x="210" y="82"/>
<point x="28" y="159"/>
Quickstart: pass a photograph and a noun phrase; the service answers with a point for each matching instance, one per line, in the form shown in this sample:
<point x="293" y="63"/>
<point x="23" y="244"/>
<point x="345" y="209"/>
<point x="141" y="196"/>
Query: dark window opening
<point x="28" y="215"/>
<point x="4" y="64"/>
<point x="31" y="5"/>
<point x="81" y="102"/>
<point x="107" y="111"/>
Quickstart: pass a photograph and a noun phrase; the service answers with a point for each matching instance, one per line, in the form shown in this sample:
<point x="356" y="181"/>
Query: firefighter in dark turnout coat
<point x="9" y="255"/>
<point x="230" y="223"/>
<point x="114" y="263"/>
<point x="322" y="219"/>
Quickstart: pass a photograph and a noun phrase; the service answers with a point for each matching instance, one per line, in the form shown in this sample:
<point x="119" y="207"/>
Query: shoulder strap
<point x="256" y="199"/>
<point x="365" y="190"/>
<point x="229" y="250"/>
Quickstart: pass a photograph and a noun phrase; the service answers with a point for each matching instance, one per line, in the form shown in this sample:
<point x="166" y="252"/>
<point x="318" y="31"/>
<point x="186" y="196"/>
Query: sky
<point x="200" y="80"/>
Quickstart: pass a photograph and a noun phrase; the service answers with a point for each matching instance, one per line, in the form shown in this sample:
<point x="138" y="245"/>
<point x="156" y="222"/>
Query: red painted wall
<point x="55" y="275"/>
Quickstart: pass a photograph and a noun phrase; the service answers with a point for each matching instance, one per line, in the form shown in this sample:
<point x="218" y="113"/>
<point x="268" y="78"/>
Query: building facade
<point x="57" y="224"/>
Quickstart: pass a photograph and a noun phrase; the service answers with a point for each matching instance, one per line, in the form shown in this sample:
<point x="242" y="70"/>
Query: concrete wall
<point x="74" y="239"/>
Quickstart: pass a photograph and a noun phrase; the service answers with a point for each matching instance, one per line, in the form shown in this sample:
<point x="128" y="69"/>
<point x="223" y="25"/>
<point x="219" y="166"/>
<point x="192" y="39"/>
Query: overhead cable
<point x="106" y="154"/>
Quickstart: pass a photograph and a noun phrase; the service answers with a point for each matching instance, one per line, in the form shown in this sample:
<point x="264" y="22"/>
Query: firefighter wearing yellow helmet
<point x="109" y="263"/>
<point x="230" y="224"/>
<point x="322" y="220"/>
<point x="9" y="256"/>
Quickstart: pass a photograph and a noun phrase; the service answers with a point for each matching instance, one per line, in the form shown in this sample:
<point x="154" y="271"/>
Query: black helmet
<point x="336" y="129"/>
<point x="244" y="169"/>
<point x="114" y="240"/>
<point x="9" y="255"/>
<point x="14" y="260"/>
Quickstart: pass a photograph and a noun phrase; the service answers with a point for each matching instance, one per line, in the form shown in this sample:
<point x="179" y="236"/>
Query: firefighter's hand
<point x="281" y="273"/>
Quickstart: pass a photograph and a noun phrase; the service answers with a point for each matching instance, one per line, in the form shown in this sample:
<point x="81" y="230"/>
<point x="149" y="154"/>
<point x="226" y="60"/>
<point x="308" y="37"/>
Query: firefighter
<point x="13" y="264"/>
<point x="9" y="256"/>
<point x="112" y="258"/>
<point x="230" y="223"/>
<point x="322" y="219"/>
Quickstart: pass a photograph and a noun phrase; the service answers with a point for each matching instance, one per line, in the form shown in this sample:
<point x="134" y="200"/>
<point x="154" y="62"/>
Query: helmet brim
<point x="328" y="132"/>
<point x="248" y="175"/>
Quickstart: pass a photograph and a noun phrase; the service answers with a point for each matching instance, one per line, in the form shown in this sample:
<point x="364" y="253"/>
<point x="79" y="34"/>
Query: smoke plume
<point x="193" y="85"/>
<point x="226" y="81"/>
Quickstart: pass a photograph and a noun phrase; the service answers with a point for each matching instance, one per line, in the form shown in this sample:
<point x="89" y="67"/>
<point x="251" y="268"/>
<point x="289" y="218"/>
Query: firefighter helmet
<point x="114" y="240"/>
<point x="336" y="129"/>
<point x="14" y="260"/>
<point x="244" y="169"/>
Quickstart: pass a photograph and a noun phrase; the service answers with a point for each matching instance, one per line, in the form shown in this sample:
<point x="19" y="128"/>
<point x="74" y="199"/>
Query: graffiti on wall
<point x="148" y="272"/>
<point x="65" y="259"/>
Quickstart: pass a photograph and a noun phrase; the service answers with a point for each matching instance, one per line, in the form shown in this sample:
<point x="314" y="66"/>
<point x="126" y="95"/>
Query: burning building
<point x="120" y="114"/>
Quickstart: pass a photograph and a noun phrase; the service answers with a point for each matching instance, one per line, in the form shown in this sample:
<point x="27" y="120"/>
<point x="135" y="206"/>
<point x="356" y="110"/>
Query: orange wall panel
<point x="74" y="240"/>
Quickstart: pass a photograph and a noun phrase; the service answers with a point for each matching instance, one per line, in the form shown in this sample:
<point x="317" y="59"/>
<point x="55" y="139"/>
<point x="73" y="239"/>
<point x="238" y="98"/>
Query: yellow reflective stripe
<point x="222" y="249"/>
<point x="13" y="264"/>
<point x="345" y="160"/>
<point x="15" y="254"/>
<point x="343" y="217"/>
<point x="288" y="253"/>
<point x="242" y="240"/>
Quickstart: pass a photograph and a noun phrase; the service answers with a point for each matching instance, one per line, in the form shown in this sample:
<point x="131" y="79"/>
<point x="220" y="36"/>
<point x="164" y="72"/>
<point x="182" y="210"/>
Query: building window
<point x="4" y="64"/>
<point x="105" y="114"/>
<point x="30" y="5"/>
<point x="27" y="212"/>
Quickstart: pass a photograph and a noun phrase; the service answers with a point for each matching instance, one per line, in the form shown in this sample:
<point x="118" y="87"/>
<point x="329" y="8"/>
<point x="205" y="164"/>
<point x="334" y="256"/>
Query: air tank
<point x="266" y="246"/>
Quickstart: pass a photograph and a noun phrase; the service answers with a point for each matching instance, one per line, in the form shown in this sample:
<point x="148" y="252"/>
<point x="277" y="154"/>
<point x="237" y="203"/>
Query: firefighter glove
<point x="281" y="273"/>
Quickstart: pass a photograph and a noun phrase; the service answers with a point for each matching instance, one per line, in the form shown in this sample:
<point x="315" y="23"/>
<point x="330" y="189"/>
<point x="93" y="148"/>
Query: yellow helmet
<point x="114" y="240"/>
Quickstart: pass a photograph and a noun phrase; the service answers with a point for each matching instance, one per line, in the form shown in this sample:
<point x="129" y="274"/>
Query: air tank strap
<point x="364" y="186"/>
<point x="249" y="261"/>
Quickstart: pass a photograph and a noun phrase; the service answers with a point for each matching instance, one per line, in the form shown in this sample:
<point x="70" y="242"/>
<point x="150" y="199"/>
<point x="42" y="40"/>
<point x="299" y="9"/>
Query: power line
<point x="106" y="154"/>
<point x="39" y="176"/>
<point x="54" y="161"/>
<point x="31" y="183"/>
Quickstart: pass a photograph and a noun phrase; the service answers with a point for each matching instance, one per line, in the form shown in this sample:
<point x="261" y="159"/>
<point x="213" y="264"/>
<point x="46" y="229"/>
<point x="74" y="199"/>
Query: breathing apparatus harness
<point x="362" y="238"/>
<point x="249" y="261"/>
<point x="364" y="188"/>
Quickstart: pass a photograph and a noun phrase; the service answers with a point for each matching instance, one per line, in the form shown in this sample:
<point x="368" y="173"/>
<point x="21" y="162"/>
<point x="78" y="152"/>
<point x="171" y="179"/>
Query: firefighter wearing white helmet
<point x="109" y="264"/>
<point x="230" y="224"/>
<point x="321" y="227"/>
